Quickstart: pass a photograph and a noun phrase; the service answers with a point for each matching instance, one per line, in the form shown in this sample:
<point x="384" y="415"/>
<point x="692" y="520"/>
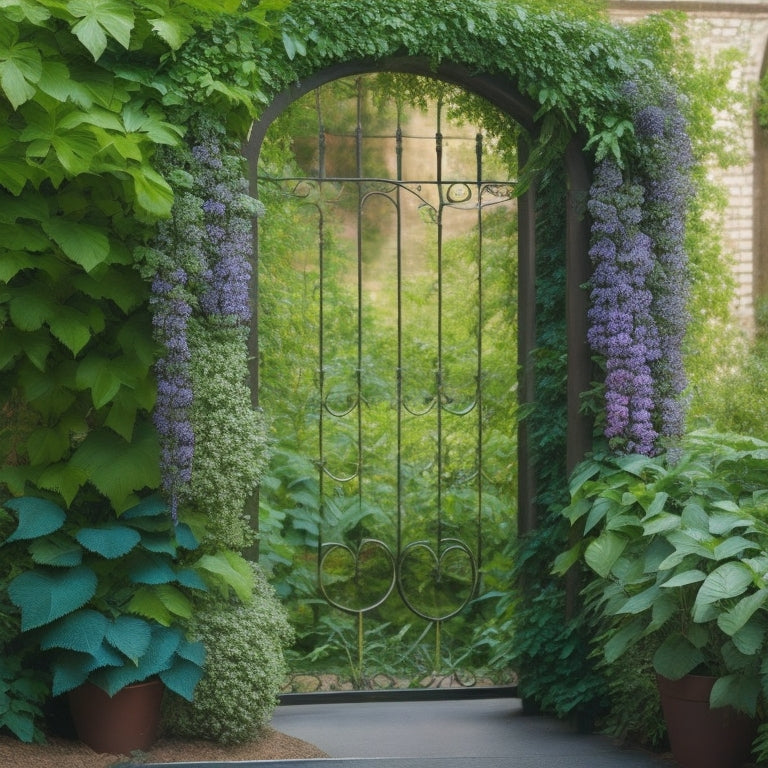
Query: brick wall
<point x="716" y="26"/>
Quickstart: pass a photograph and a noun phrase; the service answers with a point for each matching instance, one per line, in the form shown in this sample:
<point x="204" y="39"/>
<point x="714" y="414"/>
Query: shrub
<point x="244" y="669"/>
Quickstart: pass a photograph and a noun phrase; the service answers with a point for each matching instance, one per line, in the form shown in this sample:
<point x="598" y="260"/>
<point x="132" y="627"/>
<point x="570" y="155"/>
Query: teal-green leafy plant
<point x="105" y="602"/>
<point x="244" y="670"/>
<point x="678" y="548"/>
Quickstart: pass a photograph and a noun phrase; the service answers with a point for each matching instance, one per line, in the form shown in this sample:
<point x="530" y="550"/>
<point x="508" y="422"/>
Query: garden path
<point x="483" y="733"/>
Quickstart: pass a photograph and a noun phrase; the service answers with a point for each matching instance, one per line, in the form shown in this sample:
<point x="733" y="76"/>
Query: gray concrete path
<point x="482" y="733"/>
<point x="447" y="734"/>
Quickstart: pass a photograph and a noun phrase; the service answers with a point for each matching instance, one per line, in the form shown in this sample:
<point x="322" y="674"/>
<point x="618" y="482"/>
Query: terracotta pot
<point x="701" y="737"/>
<point x="119" y="724"/>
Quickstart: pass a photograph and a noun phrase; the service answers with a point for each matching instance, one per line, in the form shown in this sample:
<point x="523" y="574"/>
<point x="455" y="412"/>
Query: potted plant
<point x="678" y="546"/>
<point x="106" y="605"/>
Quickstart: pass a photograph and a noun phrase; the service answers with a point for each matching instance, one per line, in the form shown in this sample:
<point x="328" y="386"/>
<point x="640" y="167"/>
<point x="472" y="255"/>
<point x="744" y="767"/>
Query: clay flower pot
<point x="119" y="724"/>
<point x="701" y="737"/>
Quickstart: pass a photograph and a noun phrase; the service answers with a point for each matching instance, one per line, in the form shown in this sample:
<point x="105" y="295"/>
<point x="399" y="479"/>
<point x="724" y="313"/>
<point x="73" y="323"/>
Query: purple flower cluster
<point x="622" y="328"/>
<point x="202" y="269"/>
<point x="174" y="392"/>
<point x="666" y="166"/>
<point x="228" y="235"/>
<point x="639" y="285"/>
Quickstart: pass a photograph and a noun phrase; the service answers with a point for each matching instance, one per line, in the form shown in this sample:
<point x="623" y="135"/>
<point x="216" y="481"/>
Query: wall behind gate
<point x="716" y="26"/>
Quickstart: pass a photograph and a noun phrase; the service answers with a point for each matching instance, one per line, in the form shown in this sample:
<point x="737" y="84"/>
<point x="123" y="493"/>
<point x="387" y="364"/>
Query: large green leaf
<point x="602" y="553"/>
<point x="57" y="550"/>
<point x="71" y="327"/>
<point x="37" y="517"/>
<point x="148" y="568"/>
<point x="63" y="478"/>
<point x="130" y="635"/>
<point x="738" y="691"/>
<point x="729" y="580"/>
<point x="118" y="468"/>
<point x="228" y="569"/>
<point x="161" y="603"/>
<point x="182" y="677"/>
<point x="111" y="540"/>
<point x="734" y="619"/>
<point x="85" y="244"/>
<point x="153" y="194"/>
<point x="676" y="657"/>
<point x="46" y="595"/>
<point x="81" y="631"/>
<point x="101" y="376"/>
<point x="99" y="19"/>
<point x="20" y="69"/>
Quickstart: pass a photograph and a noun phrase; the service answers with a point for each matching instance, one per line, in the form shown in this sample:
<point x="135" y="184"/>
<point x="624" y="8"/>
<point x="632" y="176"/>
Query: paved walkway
<point x="482" y="733"/>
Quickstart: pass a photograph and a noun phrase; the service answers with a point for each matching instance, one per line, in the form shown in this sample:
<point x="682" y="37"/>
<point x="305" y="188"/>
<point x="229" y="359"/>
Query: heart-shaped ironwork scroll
<point x="437" y="585"/>
<point x="356" y="580"/>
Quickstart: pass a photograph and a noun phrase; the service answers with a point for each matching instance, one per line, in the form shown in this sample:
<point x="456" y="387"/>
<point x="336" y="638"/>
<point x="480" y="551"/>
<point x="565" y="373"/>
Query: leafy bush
<point x="678" y="545"/>
<point x="244" y="669"/>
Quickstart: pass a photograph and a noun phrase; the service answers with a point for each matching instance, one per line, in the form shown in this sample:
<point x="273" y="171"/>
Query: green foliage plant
<point x="244" y="671"/>
<point x="105" y="602"/>
<point x="678" y="545"/>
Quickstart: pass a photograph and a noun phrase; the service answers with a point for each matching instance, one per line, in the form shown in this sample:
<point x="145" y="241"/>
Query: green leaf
<point x="683" y="579"/>
<point x="676" y="657"/>
<point x="153" y="194"/>
<point x="604" y="551"/>
<point x="117" y="468"/>
<point x="99" y="375"/>
<point x="46" y="446"/>
<point x="64" y="479"/>
<point x="85" y="244"/>
<point x="738" y="691"/>
<point x="43" y="596"/>
<point x="130" y="635"/>
<point x="727" y="581"/>
<point x="160" y="603"/>
<point x="99" y="19"/>
<point x="229" y="570"/>
<point x="151" y="569"/>
<point x="733" y="620"/>
<point x="81" y="631"/>
<point x="182" y="678"/>
<point x="110" y="541"/>
<point x="20" y="70"/>
<point x="71" y="327"/>
<point x="58" y="550"/>
<point x="37" y="517"/>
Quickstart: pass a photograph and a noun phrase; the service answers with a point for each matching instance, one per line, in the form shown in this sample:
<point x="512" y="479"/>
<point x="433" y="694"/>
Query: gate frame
<point x="503" y="94"/>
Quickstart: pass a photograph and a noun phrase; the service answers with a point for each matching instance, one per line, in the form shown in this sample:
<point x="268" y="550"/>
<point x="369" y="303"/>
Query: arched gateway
<point x="503" y="94"/>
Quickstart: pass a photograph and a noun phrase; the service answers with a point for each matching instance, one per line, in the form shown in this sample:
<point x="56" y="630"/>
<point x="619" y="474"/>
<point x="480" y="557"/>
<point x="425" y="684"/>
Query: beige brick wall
<point x="716" y="26"/>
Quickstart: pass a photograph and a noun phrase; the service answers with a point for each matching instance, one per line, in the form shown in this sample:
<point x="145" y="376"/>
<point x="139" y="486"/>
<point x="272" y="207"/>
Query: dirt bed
<point x="64" y="753"/>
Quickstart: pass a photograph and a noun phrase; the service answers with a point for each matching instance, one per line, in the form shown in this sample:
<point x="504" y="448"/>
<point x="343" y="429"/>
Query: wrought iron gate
<point x="419" y="465"/>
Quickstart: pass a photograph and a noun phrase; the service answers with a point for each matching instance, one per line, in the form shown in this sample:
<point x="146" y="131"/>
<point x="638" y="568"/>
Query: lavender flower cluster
<point x="202" y="267"/>
<point x="228" y="231"/>
<point x="174" y="392"/>
<point x="639" y="286"/>
<point x="622" y="327"/>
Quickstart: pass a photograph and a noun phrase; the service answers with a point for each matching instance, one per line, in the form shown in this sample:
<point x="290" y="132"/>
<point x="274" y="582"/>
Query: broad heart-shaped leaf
<point x="110" y="541"/>
<point x="85" y="244"/>
<point x="150" y="506"/>
<point x="81" y="631"/>
<point x="98" y="374"/>
<point x="738" y="691"/>
<point x="63" y="478"/>
<point x="734" y="619"/>
<point x="130" y="635"/>
<point x="69" y="671"/>
<point x="602" y="554"/>
<point x="57" y="550"/>
<point x="46" y="595"/>
<point x="729" y="580"/>
<point x="148" y="568"/>
<point x="676" y="657"/>
<point x="71" y="327"/>
<point x="182" y="677"/>
<point x="100" y="18"/>
<point x="37" y="517"/>
<point x="158" y="657"/>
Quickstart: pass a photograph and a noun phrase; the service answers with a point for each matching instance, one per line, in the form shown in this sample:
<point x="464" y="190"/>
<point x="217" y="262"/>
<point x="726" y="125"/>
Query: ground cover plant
<point x="124" y="261"/>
